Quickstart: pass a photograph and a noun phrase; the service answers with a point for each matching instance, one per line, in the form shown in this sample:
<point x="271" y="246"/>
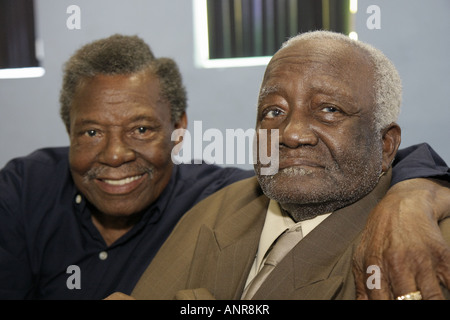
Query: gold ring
<point x="416" y="295"/>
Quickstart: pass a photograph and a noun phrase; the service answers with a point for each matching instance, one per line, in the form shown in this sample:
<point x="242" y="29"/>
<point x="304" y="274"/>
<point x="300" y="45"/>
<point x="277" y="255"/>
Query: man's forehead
<point x="333" y="57"/>
<point x="334" y="52"/>
<point x="328" y="72"/>
<point x="324" y="85"/>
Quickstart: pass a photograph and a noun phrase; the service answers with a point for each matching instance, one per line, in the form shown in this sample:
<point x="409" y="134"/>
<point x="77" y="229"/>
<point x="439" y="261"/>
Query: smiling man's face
<point x="321" y="101"/>
<point x="120" y="142"/>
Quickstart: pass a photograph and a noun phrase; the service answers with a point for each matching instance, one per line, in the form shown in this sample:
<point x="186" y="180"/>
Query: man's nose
<point x="297" y="132"/>
<point x="116" y="151"/>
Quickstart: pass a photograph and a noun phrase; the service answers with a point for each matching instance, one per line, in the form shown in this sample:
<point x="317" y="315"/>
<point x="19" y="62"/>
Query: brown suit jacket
<point x="210" y="252"/>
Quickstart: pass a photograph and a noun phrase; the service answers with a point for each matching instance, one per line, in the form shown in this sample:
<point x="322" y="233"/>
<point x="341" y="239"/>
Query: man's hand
<point x="403" y="239"/>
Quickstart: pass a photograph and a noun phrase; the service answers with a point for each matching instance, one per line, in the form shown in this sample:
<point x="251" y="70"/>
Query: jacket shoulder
<point x="218" y="205"/>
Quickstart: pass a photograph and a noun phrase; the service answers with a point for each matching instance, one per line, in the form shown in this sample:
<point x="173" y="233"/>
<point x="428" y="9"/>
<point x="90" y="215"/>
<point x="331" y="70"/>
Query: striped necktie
<point x="282" y="245"/>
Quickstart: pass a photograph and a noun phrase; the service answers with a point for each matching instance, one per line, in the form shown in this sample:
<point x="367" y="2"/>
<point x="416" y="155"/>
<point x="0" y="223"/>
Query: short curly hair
<point x="118" y="55"/>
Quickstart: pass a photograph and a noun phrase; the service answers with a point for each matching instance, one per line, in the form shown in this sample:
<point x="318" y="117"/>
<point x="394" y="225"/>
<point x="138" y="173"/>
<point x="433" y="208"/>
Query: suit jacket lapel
<point x="318" y="265"/>
<point x="210" y="248"/>
<point x="224" y="254"/>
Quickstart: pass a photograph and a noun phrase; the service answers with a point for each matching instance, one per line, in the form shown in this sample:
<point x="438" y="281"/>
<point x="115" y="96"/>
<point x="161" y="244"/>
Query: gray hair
<point x="121" y="55"/>
<point x="387" y="87"/>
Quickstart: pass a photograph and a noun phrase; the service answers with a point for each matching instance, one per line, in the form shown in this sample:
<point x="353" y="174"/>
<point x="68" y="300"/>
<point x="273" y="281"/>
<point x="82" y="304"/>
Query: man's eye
<point x="272" y="113"/>
<point x="91" y="133"/>
<point x="330" y="109"/>
<point x="142" y="130"/>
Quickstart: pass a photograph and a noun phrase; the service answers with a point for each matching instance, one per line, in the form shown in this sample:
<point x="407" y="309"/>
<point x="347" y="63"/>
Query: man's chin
<point x="119" y="211"/>
<point x="296" y="186"/>
<point x="118" y="208"/>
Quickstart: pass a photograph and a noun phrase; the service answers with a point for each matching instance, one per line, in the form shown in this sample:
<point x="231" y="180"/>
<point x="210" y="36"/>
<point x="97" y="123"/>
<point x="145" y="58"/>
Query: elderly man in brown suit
<point x="334" y="103"/>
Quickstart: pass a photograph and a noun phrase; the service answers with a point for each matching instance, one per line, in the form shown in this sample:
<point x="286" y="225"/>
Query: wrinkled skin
<point x="402" y="238"/>
<point x="322" y="104"/>
<point x="120" y="147"/>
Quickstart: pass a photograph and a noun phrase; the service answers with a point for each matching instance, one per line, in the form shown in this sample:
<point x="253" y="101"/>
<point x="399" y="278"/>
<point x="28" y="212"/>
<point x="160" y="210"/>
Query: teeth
<point x="123" y="181"/>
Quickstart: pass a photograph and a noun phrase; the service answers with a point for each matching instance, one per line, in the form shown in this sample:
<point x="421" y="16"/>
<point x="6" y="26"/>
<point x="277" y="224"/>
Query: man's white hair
<point x="388" y="85"/>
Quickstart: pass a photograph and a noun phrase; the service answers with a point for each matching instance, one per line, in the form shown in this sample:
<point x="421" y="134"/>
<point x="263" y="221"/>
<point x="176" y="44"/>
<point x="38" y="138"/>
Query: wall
<point x="413" y="34"/>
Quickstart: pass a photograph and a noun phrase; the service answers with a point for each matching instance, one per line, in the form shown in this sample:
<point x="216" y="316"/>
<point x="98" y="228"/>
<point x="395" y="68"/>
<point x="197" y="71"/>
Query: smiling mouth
<point x="120" y="186"/>
<point x="122" y="182"/>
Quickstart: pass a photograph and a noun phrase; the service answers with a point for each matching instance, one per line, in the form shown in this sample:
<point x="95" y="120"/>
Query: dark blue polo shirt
<point x="46" y="228"/>
<point x="50" y="249"/>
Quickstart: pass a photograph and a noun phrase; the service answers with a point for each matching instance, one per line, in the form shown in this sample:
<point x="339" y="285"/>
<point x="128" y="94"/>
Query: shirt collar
<point x="158" y="207"/>
<point x="276" y="223"/>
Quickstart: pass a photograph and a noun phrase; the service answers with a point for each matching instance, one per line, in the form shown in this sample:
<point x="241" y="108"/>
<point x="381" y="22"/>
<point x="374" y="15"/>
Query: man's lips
<point x="120" y="186"/>
<point x="122" y="182"/>
<point x="298" y="162"/>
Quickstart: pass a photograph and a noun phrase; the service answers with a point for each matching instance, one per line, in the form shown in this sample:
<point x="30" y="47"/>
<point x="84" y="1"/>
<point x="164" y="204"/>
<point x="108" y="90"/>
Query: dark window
<point x="254" y="28"/>
<point x="17" y="34"/>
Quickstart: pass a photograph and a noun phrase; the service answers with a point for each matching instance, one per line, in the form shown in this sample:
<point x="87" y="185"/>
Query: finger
<point x="443" y="268"/>
<point x="434" y="273"/>
<point x="403" y="283"/>
<point x="429" y="287"/>
<point x="360" y="284"/>
<point x="359" y="276"/>
<point x="377" y="285"/>
<point x="400" y="273"/>
<point x="371" y="283"/>
<point x="428" y="281"/>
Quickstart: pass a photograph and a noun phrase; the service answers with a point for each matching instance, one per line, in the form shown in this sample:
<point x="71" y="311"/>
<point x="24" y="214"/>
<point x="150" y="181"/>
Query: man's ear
<point x="392" y="137"/>
<point x="179" y="130"/>
<point x="182" y="123"/>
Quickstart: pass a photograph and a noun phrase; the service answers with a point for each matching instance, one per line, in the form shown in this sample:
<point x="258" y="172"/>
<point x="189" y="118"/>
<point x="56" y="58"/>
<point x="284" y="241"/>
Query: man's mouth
<point x="120" y="186"/>
<point x="298" y="162"/>
<point x="122" y="182"/>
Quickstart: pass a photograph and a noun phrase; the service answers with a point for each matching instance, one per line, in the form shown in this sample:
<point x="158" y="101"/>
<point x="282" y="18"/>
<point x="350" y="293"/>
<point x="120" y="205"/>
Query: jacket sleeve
<point x="419" y="161"/>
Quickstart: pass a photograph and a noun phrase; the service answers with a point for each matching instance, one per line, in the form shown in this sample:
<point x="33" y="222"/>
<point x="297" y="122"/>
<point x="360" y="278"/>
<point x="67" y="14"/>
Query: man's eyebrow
<point x="334" y="91"/>
<point x="85" y="122"/>
<point x="331" y="85"/>
<point x="266" y="91"/>
<point x="142" y="118"/>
